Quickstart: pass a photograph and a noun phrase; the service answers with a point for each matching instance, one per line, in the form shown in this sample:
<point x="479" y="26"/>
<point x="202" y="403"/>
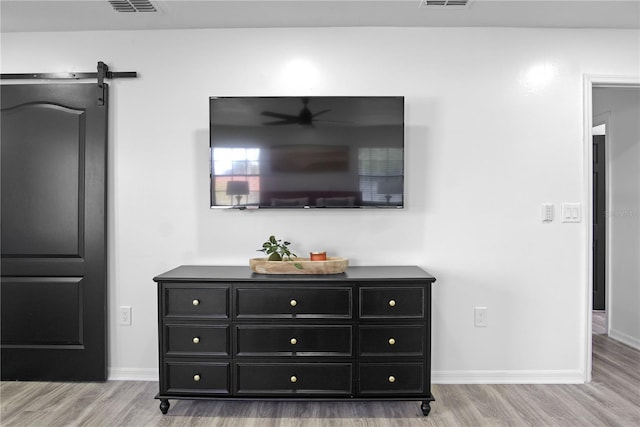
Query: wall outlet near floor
<point x="480" y="320"/>
<point x="124" y="315"/>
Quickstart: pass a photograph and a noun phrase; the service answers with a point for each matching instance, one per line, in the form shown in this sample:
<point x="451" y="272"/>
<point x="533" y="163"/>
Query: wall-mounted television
<point x="310" y="152"/>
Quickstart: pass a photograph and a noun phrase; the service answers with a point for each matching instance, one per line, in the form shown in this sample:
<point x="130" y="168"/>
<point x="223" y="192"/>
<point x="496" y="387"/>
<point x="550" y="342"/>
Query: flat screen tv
<point x="315" y="152"/>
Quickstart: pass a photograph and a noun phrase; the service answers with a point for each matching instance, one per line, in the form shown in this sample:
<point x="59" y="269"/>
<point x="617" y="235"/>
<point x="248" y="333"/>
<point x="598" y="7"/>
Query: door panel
<point x="53" y="188"/>
<point x="48" y="310"/>
<point x="599" y="222"/>
<point x="46" y="223"/>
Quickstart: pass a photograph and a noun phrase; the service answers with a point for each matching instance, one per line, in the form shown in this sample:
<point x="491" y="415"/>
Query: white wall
<point x="621" y="106"/>
<point x="493" y="129"/>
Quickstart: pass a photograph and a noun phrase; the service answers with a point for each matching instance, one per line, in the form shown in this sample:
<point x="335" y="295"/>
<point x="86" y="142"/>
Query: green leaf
<point x="274" y="257"/>
<point x="298" y="266"/>
<point x="273" y="240"/>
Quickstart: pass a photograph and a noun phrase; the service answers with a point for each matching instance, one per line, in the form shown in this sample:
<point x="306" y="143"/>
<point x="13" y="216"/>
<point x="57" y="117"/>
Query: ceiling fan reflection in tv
<point x="304" y="118"/>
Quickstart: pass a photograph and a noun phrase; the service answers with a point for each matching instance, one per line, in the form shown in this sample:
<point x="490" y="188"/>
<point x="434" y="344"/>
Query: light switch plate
<point x="547" y="212"/>
<point x="571" y="212"/>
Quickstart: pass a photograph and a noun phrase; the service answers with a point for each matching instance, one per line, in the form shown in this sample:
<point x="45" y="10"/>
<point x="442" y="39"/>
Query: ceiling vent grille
<point x="445" y="4"/>
<point x="132" y="6"/>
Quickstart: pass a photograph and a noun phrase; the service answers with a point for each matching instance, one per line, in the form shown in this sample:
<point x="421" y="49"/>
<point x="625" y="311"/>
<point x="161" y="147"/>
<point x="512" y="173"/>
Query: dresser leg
<point x="164" y="405"/>
<point x="426" y="408"/>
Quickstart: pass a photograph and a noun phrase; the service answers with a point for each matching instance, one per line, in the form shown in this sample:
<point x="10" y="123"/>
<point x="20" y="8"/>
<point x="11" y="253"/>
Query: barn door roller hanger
<point x="102" y="74"/>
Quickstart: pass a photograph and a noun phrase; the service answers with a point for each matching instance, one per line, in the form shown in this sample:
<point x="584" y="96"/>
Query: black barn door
<point x="53" y="233"/>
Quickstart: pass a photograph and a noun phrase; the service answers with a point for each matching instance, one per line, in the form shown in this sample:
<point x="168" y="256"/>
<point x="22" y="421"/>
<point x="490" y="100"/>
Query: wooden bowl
<point x="332" y="265"/>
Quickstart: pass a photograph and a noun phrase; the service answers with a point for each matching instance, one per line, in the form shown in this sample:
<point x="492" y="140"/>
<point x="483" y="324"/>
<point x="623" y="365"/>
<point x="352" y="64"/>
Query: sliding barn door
<point x="53" y="236"/>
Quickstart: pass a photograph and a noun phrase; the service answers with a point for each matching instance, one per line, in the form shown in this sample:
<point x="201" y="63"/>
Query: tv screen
<point x="307" y="152"/>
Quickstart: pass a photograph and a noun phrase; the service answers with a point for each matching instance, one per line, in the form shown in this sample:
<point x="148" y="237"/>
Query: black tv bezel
<point x="309" y="207"/>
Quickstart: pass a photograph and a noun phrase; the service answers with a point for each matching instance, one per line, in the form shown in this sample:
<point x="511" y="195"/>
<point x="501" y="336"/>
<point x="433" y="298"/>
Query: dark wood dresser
<point x="228" y="333"/>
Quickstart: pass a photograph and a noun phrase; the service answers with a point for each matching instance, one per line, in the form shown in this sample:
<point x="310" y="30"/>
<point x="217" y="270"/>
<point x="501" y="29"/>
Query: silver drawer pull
<point x="196" y="340"/>
<point x="195" y="302"/>
<point x="293" y="341"/>
<point x="293" y="379"/>
<point x="392" y="303"/>
<point x="196" y="377"/>
<point x="293" y="303"/>
<point x="392" y="379"/>
<point x="392" y="341"/>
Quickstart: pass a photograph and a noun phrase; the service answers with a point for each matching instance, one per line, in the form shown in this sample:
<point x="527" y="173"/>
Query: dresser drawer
<point x="289" y="340"/>
<point x="293" y="302"/>
<point x="396" y="378"/>
<point x="196" y="302"/>
<point x="400" y="340"/>
<point x="294" y="378"/>
<point x="197" y="378"/>
<point x="392" y="302"/>
<point x="197" y="340"/>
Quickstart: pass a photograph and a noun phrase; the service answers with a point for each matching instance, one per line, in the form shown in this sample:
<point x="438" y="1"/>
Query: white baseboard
<point x="508" y="377"/>
<point x="625" y="339"/>
<point x="133" y="374"/>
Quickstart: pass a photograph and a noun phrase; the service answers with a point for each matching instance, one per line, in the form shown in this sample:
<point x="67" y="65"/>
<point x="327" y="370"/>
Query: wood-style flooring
<point x="599" y="323"/>
<point x="611" y="399"/>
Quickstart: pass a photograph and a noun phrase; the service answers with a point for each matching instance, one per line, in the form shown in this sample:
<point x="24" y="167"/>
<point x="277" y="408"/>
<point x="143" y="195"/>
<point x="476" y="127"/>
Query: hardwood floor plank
<point x="491" y="403"/>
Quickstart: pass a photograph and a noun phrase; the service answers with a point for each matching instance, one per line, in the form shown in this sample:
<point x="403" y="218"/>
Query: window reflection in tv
<point x="307" y="152"/>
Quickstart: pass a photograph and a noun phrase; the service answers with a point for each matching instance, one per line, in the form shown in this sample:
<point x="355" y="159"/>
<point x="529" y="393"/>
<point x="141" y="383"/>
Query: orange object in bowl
<point x="318" y="256"/>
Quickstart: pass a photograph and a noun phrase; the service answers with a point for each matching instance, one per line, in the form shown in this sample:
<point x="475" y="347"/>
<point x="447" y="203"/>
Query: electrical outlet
<point x="125" y="315"/>
<point x="481" y="317"/>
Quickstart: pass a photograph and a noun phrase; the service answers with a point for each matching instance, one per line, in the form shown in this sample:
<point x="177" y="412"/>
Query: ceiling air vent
<point x="132" y="6"/>
<point x="445" y="4"/>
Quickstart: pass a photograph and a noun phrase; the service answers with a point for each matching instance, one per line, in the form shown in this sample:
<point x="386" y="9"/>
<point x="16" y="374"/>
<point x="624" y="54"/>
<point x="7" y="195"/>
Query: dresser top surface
<point x="244" y="274"/>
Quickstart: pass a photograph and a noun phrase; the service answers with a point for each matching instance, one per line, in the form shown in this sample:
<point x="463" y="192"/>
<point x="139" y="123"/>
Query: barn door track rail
<point x="102" y="74"/>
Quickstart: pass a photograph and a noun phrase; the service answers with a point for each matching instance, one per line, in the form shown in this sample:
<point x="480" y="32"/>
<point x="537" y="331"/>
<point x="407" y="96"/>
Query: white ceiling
<point x="79" y="15"/>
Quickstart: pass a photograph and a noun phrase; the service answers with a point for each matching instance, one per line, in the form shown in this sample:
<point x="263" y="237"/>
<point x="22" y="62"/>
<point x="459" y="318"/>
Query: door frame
<point x="589" y="82"/>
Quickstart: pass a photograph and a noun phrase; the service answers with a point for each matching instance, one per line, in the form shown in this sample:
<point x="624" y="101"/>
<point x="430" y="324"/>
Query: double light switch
<point x="571" y="212"/>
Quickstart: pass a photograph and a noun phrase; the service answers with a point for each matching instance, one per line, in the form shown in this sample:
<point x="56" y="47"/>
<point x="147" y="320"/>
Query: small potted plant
<point x="277" y="250"/>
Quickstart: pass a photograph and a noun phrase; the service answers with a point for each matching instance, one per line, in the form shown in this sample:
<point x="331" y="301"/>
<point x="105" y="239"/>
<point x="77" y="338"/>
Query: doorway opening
<point x="612" y="190"/>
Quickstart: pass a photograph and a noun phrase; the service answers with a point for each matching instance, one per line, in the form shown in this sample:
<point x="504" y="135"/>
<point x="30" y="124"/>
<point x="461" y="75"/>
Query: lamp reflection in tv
<point x="237" y="189"/>
<point x="390" y="186"/>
